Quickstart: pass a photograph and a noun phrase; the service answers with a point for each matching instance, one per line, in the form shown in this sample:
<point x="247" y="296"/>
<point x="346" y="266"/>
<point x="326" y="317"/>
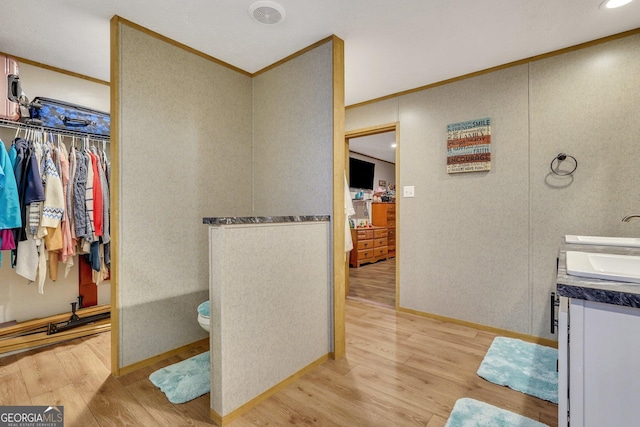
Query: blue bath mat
<point x="186" y="380"/>
<point x="473" y="413"/>
<point x="523" y="366"/>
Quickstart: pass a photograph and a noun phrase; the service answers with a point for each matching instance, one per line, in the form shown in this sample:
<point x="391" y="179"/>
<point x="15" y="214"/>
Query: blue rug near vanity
<point x="523" y="366"/>
<point x="185" y="380"/>
<point x="473" y="413"/>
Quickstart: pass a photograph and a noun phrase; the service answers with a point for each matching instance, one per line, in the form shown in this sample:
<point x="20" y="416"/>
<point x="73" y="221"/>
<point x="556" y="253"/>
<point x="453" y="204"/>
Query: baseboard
<point x="150" y="361"/>
<point x="226" y="419"/>
<point x="503" y="332"/>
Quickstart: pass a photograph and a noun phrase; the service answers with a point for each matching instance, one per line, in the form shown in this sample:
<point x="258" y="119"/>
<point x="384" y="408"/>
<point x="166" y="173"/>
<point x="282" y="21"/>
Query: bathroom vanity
<point x="598" y="346"/>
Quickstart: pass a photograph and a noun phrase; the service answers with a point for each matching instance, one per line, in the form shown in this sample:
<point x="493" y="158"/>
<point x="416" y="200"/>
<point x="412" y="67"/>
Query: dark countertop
<point x="605" y="291"/>
<point x="230" y="220"/>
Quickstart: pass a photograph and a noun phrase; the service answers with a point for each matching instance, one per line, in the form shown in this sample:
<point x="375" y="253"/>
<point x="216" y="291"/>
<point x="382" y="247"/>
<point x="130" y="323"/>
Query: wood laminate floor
<point x="400" y="370"/>
<point x="375" y="282"/>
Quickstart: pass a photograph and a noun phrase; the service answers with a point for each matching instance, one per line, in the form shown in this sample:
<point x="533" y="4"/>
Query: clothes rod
<point x="70" y="133"/>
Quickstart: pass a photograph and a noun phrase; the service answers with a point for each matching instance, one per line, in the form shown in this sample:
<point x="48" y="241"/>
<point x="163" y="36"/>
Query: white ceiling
<point x="389" y="46"/>
<point x="377" y="146"/>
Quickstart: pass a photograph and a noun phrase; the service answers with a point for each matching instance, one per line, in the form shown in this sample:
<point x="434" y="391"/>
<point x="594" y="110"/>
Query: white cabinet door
<point x="563" y="358"/>
<point x="604" y="372"/>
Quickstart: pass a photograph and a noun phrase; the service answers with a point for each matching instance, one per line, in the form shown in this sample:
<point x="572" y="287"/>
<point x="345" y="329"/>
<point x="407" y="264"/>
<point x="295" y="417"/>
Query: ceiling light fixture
<point x="612" y="4"/>
<point x="267" y="12"/>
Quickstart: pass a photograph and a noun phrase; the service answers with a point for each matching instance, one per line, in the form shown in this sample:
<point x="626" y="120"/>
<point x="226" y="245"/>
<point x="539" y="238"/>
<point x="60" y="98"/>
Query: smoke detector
<point x="267" y="12"/>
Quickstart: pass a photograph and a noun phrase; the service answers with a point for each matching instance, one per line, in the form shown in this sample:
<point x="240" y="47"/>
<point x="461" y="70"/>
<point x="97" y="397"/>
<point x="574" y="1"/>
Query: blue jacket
<point x="10" y="216"/>
<point x="9" y="201"/>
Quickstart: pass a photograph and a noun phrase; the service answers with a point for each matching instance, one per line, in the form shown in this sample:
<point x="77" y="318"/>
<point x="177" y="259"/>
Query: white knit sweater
<point x="53" y="208"/>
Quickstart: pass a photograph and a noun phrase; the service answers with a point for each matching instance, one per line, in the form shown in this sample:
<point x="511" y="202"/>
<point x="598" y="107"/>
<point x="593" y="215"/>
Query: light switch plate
<point x="408" y="191"/>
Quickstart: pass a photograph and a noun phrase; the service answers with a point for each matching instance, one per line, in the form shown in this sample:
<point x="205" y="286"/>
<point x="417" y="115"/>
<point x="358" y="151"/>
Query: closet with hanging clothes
<point x="62" y="198"/>
<point x="55" y="236"/>
<point x="54" y="209"/>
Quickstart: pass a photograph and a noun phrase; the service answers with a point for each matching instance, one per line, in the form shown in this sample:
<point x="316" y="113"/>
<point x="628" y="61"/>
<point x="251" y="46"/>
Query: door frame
<point x="373" y="130"/>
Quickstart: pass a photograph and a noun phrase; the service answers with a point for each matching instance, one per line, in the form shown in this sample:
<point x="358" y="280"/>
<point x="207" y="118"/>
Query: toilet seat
<point x="203" y="320"/>
<point x="203" y="315"/>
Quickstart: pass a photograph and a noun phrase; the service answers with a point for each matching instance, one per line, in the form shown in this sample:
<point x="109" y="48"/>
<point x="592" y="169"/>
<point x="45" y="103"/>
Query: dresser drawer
<point x="364" y="255"/>
<point x="364" y="234"/>
<point x="392" y="235"/>
<point x="391" y="215"/>
<point x="391" y="224"/>
<point x="380" y="251"/>
<point x="379" y="242"/>
<point x="380" y="232"/>
<point x="365" y="244"/>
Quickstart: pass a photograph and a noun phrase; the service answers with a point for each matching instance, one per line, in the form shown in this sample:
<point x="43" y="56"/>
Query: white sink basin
<point x="621" y="268"/>
<point x="632" y="242"/>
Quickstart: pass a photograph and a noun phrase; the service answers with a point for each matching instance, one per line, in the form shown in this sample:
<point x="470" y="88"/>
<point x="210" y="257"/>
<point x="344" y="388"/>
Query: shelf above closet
<point x="70" y="133"/>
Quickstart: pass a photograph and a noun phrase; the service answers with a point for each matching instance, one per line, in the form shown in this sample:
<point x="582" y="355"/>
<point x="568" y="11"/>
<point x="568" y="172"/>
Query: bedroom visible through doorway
<point x="372" y="183"/>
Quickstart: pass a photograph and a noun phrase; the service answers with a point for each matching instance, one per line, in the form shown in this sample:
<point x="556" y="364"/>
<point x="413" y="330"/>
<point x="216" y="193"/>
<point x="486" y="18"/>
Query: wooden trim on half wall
<point x="115" y="194"/>
<point x="339" y="337"/>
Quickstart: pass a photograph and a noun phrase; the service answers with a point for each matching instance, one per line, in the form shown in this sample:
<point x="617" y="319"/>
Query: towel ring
<point x="559" y="159"/>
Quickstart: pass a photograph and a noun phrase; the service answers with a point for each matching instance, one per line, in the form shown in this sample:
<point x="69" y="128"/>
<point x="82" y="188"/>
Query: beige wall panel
<point x="464" y="240"/>
<point x="185" y="153"/>
<point x="586" y="104"/>
<point x="270" y="287"/>
<point x="583" y="103"/>
<point x="374" y="114"/>
<point x="293" y="136"/>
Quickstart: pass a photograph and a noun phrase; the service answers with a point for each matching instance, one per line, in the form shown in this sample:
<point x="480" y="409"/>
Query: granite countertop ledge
<point x="604" y="291"/>
<point x="230" y="220"/>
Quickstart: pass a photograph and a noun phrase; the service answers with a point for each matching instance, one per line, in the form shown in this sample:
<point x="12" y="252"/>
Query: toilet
<point x="203" y="315"/>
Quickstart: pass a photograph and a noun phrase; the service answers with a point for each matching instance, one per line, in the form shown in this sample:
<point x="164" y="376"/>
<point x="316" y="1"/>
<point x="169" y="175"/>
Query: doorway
<point x="372" y="175"/>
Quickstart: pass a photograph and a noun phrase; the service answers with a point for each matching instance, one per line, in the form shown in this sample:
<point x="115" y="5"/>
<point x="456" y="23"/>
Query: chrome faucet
<point x="630" y="217"/>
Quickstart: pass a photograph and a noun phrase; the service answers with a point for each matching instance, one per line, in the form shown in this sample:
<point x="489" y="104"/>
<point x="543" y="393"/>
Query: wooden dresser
<point x="369" y="245"/>
<point x="384" y="215"/>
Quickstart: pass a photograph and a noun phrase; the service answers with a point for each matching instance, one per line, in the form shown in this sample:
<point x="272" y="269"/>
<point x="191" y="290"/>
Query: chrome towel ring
<point x="557" y="161"/>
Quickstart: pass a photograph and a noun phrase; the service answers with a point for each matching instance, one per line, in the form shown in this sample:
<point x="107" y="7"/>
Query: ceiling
<point x="390" y="47"/>
<point x="378" y="146"/>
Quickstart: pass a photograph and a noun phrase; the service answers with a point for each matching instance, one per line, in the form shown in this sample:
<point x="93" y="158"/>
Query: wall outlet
<point x="408" y="191"/>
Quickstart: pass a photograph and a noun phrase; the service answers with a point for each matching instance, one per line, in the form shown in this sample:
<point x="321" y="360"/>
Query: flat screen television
<point x="361" y="174"/>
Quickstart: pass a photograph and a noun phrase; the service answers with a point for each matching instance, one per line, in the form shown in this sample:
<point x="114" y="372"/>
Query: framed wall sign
<point x="469" y="146"/>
